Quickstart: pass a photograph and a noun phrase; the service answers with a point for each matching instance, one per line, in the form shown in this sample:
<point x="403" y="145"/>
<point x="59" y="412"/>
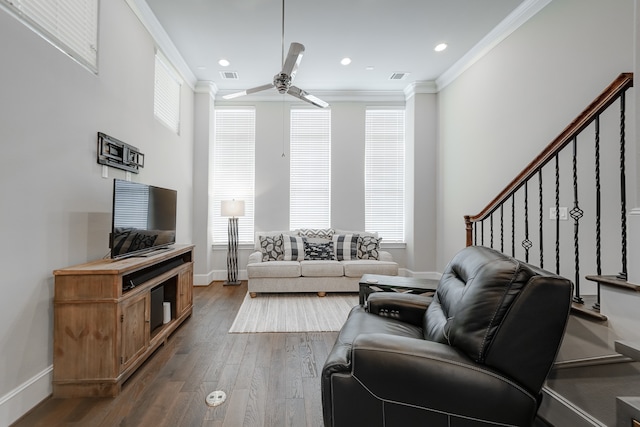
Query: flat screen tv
<point x="143" y="220"/>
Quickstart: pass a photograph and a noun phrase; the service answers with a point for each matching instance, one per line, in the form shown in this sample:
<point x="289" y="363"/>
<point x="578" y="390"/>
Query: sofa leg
<point x="253" y="294"/>
<point x="322" y="294"/>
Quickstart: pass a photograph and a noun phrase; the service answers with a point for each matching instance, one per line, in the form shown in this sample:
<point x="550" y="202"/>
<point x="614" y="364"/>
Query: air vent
<point x="229" y="75"/>
<point x="398" y="76"/>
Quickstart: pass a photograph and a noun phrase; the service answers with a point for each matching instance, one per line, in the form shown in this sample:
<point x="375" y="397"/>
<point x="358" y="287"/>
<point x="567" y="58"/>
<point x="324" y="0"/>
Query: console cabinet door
<point x="134" y="317"/>
<point x="185" y="291"/>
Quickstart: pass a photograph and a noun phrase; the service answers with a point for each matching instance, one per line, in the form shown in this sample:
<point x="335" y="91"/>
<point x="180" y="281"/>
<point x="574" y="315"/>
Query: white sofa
<point x="291" y="271"/>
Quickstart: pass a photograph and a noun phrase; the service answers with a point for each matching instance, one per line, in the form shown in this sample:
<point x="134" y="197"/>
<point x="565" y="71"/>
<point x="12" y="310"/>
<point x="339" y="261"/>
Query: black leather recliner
<point x="476" y="354"/>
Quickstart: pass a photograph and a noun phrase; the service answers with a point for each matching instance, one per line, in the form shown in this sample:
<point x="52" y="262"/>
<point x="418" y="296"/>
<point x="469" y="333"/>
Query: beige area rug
<point x="290" y="312"/>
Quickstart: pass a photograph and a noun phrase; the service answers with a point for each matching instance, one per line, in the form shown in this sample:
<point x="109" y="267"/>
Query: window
<point x="166" y="101"/>
<point x="384" y="173"/>
<point x="70" y="25"/>
<point x="310" y="169"/>
<point x="232" y="170"/>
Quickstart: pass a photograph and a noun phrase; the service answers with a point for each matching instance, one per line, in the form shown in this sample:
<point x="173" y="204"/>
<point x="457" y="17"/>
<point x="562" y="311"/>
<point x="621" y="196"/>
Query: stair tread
<point x="630" y="349"/>
<point x="586" y="309"/>
<point x="614" y="281"/>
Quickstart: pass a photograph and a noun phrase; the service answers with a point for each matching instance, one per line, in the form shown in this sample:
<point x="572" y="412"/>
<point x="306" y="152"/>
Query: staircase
<point x="579" y="182"/>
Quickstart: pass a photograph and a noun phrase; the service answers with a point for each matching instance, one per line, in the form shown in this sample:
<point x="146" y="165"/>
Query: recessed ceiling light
<point x="440" y="47"/>
<point x="369" y="68"/>
<point x="223" y="62"/>
<point x="345" y="61"/>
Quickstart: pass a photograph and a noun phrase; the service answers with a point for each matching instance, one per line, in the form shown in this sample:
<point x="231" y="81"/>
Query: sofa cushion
<point x="274" y="269"/>
<point x="322" y="233"/>
<point x="293" y="248"/>
<point x="318" y="251"/>
<point x="272" y="248"/>
<point x="358" y="267"/>
<point x="322" y="268"/>
<point x="346" y="246"/>
<point x="369" y="247"/>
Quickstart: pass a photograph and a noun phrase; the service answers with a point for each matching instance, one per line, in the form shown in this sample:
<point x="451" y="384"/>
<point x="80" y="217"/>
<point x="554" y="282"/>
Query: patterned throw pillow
<point x="323" y="251"/>
<point x="345" y="246"/>
<point x="368" y="247"/>
<point x="322" y="233"/>
<point x="293" y="247"/>
<point x="272" y="248"/>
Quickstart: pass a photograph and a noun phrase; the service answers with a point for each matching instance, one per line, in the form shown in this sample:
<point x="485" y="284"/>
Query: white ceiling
<point x="389" y="35"/>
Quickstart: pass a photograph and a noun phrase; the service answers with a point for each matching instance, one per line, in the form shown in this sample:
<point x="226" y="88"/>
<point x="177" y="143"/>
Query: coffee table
<point x="370" y="283"/>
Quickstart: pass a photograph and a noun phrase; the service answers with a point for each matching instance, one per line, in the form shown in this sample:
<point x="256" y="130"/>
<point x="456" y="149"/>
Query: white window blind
<point x="232" y="168"/>
<point x="384" y="173"/>
<point x="70" y="25"/>
<point x="310" y="169"/>
<point x="166" y="101"/>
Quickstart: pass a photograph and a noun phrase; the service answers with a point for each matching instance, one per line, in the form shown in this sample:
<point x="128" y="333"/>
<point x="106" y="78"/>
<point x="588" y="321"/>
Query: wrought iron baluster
<point x="513" y="225"/>
<point x="557" y="215"/>
<point x="491" y="219"/>
<point x="623" y="189"/>
<point x="526" y="243"/>
<point x="541" y="214"/>
<point x="482" y="232"/>
<point x="475" y="234"/>
<point x="576" y="213"/>
<point x="596" y="306"/>
<point x="502" y="227"/>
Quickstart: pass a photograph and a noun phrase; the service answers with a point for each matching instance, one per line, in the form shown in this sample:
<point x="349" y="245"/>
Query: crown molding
<point x="420" y="87"/>
<point x="206" y="87"/>
<point x="326" y="95"/>
<point x="515" y="20"/>
<point x="144" y="13"/>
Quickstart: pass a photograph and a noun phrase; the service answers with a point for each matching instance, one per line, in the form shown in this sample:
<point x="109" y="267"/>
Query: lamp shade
<point x="232" y="207"/>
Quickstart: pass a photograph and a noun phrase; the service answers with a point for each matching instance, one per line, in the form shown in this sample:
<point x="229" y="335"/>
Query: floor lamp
<point x="232" y="209"/>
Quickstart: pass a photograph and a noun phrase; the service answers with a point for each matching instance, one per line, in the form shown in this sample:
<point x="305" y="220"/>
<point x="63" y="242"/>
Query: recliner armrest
<point x="438" y="377"/>
<point x="404" y="307"/>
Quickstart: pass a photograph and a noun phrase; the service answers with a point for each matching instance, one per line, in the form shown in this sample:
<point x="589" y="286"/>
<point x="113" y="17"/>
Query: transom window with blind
<point x="310" y="169"/>
<point x="166" y="99"/>
<point x="232" y="168"/>
<point x="69" y="25"/>
<point x="384" y="173"/>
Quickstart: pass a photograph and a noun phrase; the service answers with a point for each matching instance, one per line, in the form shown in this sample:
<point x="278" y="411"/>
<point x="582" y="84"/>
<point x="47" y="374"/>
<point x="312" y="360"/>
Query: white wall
<point x="55" y="209"/>
<point x="507" y="107"/>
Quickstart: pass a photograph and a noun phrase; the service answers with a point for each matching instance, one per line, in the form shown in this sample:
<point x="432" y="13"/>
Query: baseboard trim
<point x="216" y="275"/>
<point x="26" y="396"/>
<point x="558" y="411"/>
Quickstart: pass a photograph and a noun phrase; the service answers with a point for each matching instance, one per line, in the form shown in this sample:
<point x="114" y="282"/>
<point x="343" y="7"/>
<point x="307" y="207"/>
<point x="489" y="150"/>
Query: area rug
<point x="289" y="312"/>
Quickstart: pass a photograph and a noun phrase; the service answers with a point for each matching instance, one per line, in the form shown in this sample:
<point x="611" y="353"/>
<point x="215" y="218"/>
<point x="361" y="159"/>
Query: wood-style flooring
<point x="271" y="379"/>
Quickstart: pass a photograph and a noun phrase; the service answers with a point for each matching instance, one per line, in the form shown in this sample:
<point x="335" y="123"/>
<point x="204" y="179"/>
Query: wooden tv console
<point x="101" y="332"/>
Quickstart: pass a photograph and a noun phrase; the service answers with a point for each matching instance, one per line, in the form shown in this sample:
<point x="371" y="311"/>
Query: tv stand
<point x="102" y="316"/>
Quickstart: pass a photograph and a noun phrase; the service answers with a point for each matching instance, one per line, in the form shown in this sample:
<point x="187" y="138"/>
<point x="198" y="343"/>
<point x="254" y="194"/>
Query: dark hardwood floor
<point x="271" y="379"/>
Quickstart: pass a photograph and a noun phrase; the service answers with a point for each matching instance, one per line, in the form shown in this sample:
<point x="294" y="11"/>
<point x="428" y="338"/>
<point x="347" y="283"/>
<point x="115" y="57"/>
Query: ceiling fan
<point x="284" y="79"/>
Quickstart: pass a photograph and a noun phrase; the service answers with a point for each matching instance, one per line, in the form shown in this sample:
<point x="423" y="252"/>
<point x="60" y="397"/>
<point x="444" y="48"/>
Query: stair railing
<point x="533" y="174"/>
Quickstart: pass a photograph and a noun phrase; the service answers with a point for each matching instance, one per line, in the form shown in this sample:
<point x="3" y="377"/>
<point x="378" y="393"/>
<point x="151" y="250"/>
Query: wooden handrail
<point x="623" y="82"/>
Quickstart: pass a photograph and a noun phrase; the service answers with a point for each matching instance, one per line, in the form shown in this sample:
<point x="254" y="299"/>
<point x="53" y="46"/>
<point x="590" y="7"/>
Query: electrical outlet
<point x="563" y="213"/>
<point x="105" y="171"/>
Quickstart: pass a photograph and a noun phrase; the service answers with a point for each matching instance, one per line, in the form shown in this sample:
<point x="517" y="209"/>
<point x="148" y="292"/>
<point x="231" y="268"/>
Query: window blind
<point x="166" y="101"/>
<point x="232" y="168"/>
<point x="310" y="169"/>
<point x="70" y="25"/>
<point x="384" y="173"/>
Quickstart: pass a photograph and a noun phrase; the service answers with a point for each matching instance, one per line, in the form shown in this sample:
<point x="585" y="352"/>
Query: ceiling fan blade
<point x="248" y="91"/>
<point x="306" y="96"/>
<point x="293" y="59"/>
